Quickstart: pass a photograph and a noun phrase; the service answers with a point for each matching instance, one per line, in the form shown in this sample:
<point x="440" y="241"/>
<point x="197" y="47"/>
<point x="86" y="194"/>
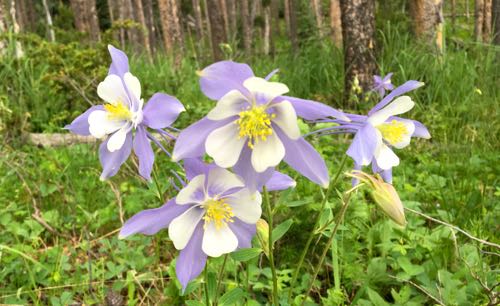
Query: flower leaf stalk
<point x="267" y="202"/>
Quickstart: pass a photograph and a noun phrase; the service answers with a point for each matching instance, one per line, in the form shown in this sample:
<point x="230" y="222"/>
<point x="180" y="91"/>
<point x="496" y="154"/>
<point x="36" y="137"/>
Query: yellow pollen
<point x="118" y="111"/>
<point x="219" y="212"/>
<point x="393" y="131"/>
<point x="255" y="123"/>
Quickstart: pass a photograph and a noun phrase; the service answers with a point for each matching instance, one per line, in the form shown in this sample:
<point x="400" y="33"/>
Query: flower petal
<point x="286" y="119"/>
<point x="151" y="221"/>
<point x="268" y="90"/>
<point x="117" y="139"/>
<point x="230" y="104"/>
<point x="119" y="61"/>
<point x="100" y="125"/>
<point x="243" y="168"/>
<point x="246" y="205"/>
<point x="280" y="181"/>
<point x="218" y="241"/>
<point x="191" y="141"/>
<point x="133" y="85"/>
<point x="194" y="192"/>
<point x="267" y="153"/>
<point x="364" y="144"/>
<point x="195" y="167"/>
<point x="111" y="161"/>
<point x="221" y="180"/>
<point x="244" y="232"/>
<point x="181" y="228"/>
<point x="161" y="111"/>
<point x="311" y="110"/>
<point x="80" y="125"/>
<point x="400" y="105"/>
<point x="112" y="91"/>
<point x="410" y="128"/>
<point x="224" y="145"/>
<point x="386" y="159"/>
<point x="144" y="152"/>
<point x="191" y="260"/>
<point x="406" y="87"/>
<point x="219" y="78"/>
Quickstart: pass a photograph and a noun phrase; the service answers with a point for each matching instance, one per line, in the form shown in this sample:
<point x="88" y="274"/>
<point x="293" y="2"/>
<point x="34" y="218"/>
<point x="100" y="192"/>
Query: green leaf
<point x="246" y="254"/>
<point x="408" y="267"/>
<point x="297" y="203"/>
<point x="231" y="297"/>
<point x="212" y="285"/>
<point x="194" y="303"/>
<point x="375" y="298"/>
<point x="281" y="230"/>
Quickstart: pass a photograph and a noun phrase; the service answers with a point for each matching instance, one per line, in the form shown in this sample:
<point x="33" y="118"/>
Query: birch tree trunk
<point x="217" y="28"/>
<point x="245" y="22"/>
<point x="496" y="24"/>
<point x="267" y="29"/>
<point x="359" y="58"/>
<point x="336" y="23"/>
<point x="479" y="20"/>
<point x="487" y="12"/>
<point x="52" y="35"/>
<point x="15" y="26"/>
<point x="318" y="13"/>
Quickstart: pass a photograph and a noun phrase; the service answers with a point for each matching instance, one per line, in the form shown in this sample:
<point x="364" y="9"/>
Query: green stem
<point x="311" y="235"/>
<point x="271" y="248"/>
<point x="339" y="218"/>
<point x="219" y="280"/>
<point x="158" y="188"/>
<point x="205" y="285"/>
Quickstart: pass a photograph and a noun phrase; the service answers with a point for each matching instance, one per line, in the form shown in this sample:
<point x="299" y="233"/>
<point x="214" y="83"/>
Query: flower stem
<point x="219" y="280"/>
<point x="311" y="235"/>
<point x="205" y="285"/>
<point x="157" y="183"/>
<point x="271" y="248"/>
<point x="339" y="218"/>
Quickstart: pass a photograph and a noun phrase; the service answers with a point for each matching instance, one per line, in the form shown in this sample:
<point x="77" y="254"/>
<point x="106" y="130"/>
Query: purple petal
<point x="195" y="167"/>
<point x="381" y="91"/>
<point x="301" y="156"/>
<point x="311" y="110"/>
<point x="388" y="77"/>
<point x="244" y="232"/>
<point x="406" y="87"/>
<point x="280" y="181"/>
<point x="363" y="145"/>
<point x="80" y="125"/>
<point x="385" y="174"/>
<point x="151" y="221"/>
<point x="161" y="111"/>
<point x="191" y="260"/>
<point x="219" y="78"/>
<point x="144" y="152"/>
<point x="191" y="141"/>
<point x="119" y="61"/>
<point x="112" y="161"/>
<point x="355" y="181"/>
<point x="377" y="80"/>
<point x="253" y="179"/>
<point x="270" y="75"/>
<point x="420" y="130"/>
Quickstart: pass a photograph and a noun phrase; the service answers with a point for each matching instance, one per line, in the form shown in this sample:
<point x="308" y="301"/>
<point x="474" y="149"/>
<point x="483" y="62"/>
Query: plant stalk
<point x="271" y="248"/>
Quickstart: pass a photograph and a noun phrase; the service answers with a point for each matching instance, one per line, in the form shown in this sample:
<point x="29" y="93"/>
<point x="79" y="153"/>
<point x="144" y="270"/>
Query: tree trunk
<point x="177" y="28"/>
<point x="427" y="20"/>
<point x="86" y="19"/>
<point x="150" y="23"/>
<point x="359" y="58"/>
<point x="164" y="9"/>
<point x="487" y="20"/>
<point x="479" y="20"/>
<point x="275" y="13"/>
<point x="287" y="16"/>
<point x="198" y="23"/>
<point x="318" y="13"/>
<point x="217" y="28"/>
<point x="267" y="29"/>
<point x="143" y="33"/>
<point x="15" y="27"/>
<point x="496" y="24"/>
<point x="50" y="27"/>
<point x="292" y="7"/>
<point x="245" y="21"/>
<point x="336" y="23"/>
<point x="3" y="27"/>
<point x="225" y="18"/>
<point x="231" y="15"/>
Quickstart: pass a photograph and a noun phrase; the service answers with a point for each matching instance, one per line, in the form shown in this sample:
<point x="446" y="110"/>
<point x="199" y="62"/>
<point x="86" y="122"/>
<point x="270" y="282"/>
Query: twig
<point x="419" y="288"/>
<point x="118" y="200"/>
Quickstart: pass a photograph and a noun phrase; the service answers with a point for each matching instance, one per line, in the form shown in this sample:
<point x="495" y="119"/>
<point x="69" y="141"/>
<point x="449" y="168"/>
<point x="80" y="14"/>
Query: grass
<point x="76" y="256"/>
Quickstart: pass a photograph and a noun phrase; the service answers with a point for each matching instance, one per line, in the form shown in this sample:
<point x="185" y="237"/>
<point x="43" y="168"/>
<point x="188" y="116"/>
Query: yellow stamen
<point x="393" y="132"/>
<point x="219" y="212"/>
<point x="118" y="111"/>
<point x="255" y="123"/>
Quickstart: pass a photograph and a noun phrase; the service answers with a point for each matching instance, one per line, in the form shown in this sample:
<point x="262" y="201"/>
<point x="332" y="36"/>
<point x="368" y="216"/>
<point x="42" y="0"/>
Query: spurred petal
<point x="230" y="104"/>
<point x="112" y="91"/>
<point x="364" y="145"/>
<point x="195" y="167"/>
<point x="161" y="111"/>
<point x="244" y="168"/>
<point x="224" y="145"/>
<point x="406" y="87"/>
<point x="400" y="105"/>
<point x="191" y="141"/>
<point x="267" y="153"/>
<point x="192" y="259"/>
<point x="218" y="79"/>
<point x="280" y="181"/>
<point x="117" y="139"/>
<point x="119" y="61"/>
<point x="265" y="89"/>
<point x="111" y="161"/>
<point x="420" y="130"/>
<point x="133" y="85"/>
<point x="246" y="205"/>
<point x="144" y="152"/>
<point x="181" y="228"/>
<point x="151" y="221"/>
<point x="221" y="180"/>
<point x="194" y="192"/>
<point x="311" y="110"/>
<point x="100" y="125"/>
<point x="218" y="241"/>
<point x="80" y="125"/>
<point x="386" y="159"/>
<point x="286" y="119"/>
<point x="244" y="232"/>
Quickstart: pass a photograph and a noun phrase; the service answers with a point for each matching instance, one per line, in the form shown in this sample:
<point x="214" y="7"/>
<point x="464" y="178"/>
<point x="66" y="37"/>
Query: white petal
<point x="267" y="153"/>
<point x="229" y="105"/>
<point x="181" y="228"/>
<point x="133" y="84"/>
<point x="220" y="180"/>
<point x="396" y="107"/>
<point x="100" y="125"/>
<point x="112" y="91"/>
<point x="218" y="241"/>
<point x="410" y="128"/>
<point x="224" y="145"/>
<point x="386" y="159"/>
<point x="117" y="139"/>
<point x="194" y="192"/>
<point x="246" y="205"/>
<point x="271" y="90"/>
<point x="286" y="119"/>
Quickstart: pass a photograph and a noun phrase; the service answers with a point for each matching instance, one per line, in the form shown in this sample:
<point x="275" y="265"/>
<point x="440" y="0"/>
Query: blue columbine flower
<point x="381" y="84"/>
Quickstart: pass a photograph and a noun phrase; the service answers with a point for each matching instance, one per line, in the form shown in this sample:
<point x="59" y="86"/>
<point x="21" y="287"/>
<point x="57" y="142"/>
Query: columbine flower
<point x="382" y="84"/>
<point x="123" y="113"/>
<point x="214" y="214"/>
<point x="380" y="131"/>
<point x="253" y="126"/>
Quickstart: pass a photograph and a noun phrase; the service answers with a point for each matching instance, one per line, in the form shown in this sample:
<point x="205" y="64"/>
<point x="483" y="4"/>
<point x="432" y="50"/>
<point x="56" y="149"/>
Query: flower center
<point x="393" y="131"/>
<point x="255" y="123"/>
<point x="118" y="111"/>
<point x="219" y="212"/>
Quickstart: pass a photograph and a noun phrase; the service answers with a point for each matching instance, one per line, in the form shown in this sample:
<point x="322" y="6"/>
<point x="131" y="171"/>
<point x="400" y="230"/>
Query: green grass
<point x="452" y="177"/>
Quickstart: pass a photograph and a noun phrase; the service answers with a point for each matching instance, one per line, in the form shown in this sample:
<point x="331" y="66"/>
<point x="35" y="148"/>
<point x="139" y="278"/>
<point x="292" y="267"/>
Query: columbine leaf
<point x="246" y="254"/>
<point x="281" y="230"/>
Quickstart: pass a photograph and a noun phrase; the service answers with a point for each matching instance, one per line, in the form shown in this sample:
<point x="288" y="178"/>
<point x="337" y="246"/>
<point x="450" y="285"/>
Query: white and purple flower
<point x="253" y="126"/>
<point x="381" y="84"/>
<point x="214" y="214"/>
<point x="121" y="115"/>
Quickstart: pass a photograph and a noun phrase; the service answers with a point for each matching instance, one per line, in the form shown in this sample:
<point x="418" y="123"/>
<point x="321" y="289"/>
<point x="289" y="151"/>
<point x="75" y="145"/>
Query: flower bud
<point x="263" y="235"/>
